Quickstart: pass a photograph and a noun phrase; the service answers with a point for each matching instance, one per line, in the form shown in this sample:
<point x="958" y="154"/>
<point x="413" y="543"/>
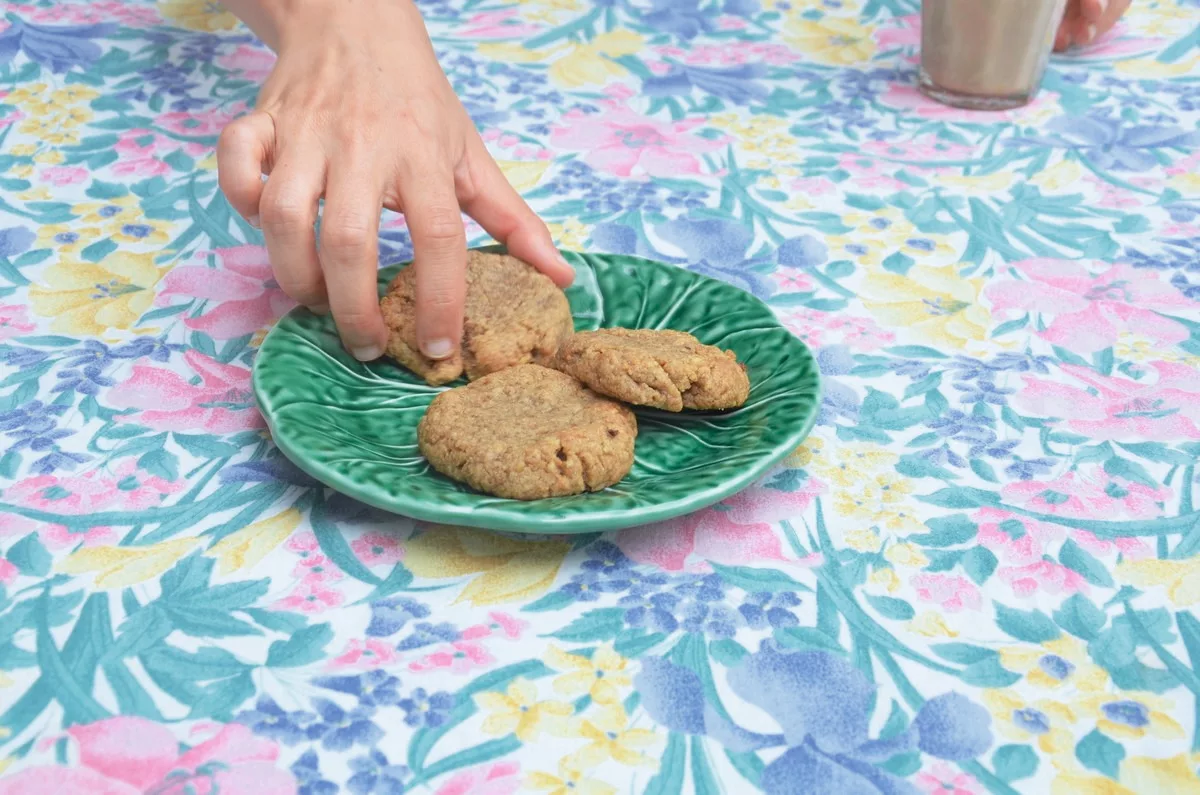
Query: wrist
<point x="275" y="21"/>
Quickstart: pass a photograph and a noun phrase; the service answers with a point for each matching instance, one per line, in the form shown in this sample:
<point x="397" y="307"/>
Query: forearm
<point x="271" y="19"/>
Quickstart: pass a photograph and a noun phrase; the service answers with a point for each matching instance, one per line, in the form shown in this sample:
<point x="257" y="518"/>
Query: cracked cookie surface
<point x="668" y="370"/>
<point x="513" y="315"/>
<point x="527" y="433"/>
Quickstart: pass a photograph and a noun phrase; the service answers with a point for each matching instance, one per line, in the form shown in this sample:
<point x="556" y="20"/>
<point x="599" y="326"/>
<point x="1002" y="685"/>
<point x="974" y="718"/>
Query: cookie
<point x="513" y="315"/>
<point x="665" y="369"/>
<point x="526" y="433"/>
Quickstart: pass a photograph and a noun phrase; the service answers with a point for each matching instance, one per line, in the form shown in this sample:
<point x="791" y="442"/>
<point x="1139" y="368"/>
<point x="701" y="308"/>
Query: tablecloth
<point x="979" y="574"/>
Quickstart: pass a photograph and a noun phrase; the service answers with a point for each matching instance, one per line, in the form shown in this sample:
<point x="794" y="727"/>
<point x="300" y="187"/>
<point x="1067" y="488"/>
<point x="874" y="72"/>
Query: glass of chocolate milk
<point x="986" y="54"/>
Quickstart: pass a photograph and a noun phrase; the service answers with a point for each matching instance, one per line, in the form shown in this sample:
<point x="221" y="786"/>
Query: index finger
<point x="439" y="256"/>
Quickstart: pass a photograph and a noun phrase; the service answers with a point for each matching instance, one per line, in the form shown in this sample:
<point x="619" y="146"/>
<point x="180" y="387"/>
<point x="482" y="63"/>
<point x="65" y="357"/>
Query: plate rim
<point x="549" y="524"/>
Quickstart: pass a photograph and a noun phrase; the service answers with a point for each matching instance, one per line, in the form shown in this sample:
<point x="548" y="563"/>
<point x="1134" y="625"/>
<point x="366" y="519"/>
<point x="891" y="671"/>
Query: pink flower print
<point x="500" y="778"/>
<point x="502" y="623"/>
<point x="12" y="525"/>
<point x="128" y="755"/>
<point x="952" y="592"/>
<point x="497" y="24"/>
<point x="942" y="779"/>
<point x="8" y="572"/>
<point x="1087" y="496"/>
<point x="220" y="403"/>
<point x="378" y="549"/>
<point x="459" y="657"/>
<point x="125" y="489"/>
<point x="902" y="31"/>
<point x="315" y="569"/>
<point x="1130" y="548"/>
<point x="689" y="543"/>
<point x="1164" y="408"/>
<point x="793" y="281"/>
<point x="1015" y="540"/>
<point x="905" y="96"/>
<point x="1045" y="575"/>
<point x="623" y="143"/>
<point x="303" y="543"/>
<point x="254" y="63"/>
<point x="58" y="537"/>
<point x="925" y="147"/>
<point x="362" y="655"/>
<point x="130" y="15"/>
<point x="14" y="320"/>
<point x="813" y="186"/>
<point x="1090" y="311"/>
<point x="209" y="122"/>
<point x="61" y="176"/>
<point x="311" y="597"/>
<point x="243" y="293"/>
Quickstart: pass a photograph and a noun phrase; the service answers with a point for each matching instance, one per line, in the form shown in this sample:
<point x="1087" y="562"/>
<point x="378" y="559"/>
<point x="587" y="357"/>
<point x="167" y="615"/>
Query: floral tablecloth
<point x="980" y="574"/>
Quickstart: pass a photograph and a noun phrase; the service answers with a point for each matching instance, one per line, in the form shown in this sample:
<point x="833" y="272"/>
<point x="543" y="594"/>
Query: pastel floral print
<point x="979" y="573"/>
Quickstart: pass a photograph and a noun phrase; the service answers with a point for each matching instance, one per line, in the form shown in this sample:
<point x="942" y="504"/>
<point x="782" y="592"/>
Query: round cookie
<point x="526" y="433"/>
<point x="513" y="315"/>
<point x="668" y="370"/>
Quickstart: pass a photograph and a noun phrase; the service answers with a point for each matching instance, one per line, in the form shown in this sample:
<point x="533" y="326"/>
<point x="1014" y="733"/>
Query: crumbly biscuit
<point x="668" y="370"/>
<point x="526" y="433"/>
<point x="513" y="315"/>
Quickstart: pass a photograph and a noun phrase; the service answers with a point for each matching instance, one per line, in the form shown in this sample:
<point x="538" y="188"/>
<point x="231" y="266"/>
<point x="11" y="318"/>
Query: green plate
<point x="353" y="426"/>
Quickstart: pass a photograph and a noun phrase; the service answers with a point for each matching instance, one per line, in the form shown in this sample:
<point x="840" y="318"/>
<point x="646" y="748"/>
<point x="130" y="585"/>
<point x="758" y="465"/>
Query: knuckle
<point x="345" y="235"/>
<point x="354" y="320"/>
<point x="443" y="225"/>
<point x="285" y="213"/>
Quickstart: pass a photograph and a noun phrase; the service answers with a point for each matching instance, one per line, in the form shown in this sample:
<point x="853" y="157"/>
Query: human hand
<point x="358" y="111"/>
<point x="1086" y="20"/>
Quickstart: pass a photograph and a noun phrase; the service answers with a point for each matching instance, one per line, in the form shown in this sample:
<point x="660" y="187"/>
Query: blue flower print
<point x="373" y="775"/>
<point x="426" y="709"/>
<point x="823" y="705"/>
<point x="57" y="47"/>
<point x="339" y="729"/>
<point x="684" y="18"/>
<point x="426" y="634"/>
<point x="735" y="84"/>
<point x="1110" y="143"/>
<point x="272" y="721"/>
<point x="655" y="612"/>
<point x="389" y="616"/>
<point x="15" y="240"/>
<point x="774" y="610"/>
<point x="307" y="771"/>
<point x="373" y="689"/>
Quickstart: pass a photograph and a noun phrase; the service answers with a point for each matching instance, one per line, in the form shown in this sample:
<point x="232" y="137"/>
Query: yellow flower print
<point x="72" y="93"/>
<point x="66" y="239"/>
<point x="206" y="15"/>
<point x="523" y="176"/>
<point x="601" y="677"/>
<point x="571" y="234"/>
<point x="1151" y="67"/>
<point x="840" y="41"/>
<point x="1187" y="183"/>
<point x="1175" y="774"/>
<point x="1045" y="721"/>
<point x="1135" y="715"/>
<point x="22" y="171"/>
<point x="807" y="454"/>
<point x="935" y="304"/>
<point x="49" y="129"/>
<point x="569" y="781"/>
<point x="899" y="520"/>
<point x="118" y="211"/>
<point x="859" y="504"/>
<point x="518" y="712"/>
<point x="120" y="567"/>
<point x="931" y="625"/>
<point x="886" y="578"/>
<point x="763" y="135"/>
<point x="25" y="94"/>
<point x="142" y="231"/>
<point x="50" y="158"/>
<point x="89" y="299"/>
<point x="873" y="498"/>
<point x="246" y="547"/>
<point x="511" y="570"/>
<point x="1181" y="577"/>
<point x="1072" y="778"/>
<point x="612" y="738"/>
<point x="906" y="555"/>
<point x="979" y="184"/>
<point x="592" y="63"/>
<point x="72" y="117"/>
<point x="853" y="464"/>
<point x="1061" y="175"/>
<point x="23" y="150"/>
<point x="863" y="540"/>
<point x="863" y="250"/>
<point x="1061" y="662"/>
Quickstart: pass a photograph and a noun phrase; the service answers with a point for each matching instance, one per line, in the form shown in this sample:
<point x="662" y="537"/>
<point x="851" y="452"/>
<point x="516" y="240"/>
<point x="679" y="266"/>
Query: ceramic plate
<point x="353" y="426"/>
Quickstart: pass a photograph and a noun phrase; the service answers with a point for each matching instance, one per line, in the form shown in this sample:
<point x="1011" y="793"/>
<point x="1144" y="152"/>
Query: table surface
<point x="978" y="575"/>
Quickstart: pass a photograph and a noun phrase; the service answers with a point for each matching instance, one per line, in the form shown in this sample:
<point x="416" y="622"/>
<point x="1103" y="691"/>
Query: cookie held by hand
<point x="513" y="315"/>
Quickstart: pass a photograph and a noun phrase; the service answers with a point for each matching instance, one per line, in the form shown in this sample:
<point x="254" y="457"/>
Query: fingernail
<point x="1091" y="33"/>
<point x="254" y="222"/>
<point x="1103" y="6"/>
<point x="438" y="349"/>
<point x="367" y="353"/>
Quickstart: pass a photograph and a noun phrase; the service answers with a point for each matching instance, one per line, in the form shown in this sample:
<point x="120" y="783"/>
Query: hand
<point x="357" y="110"/>
<point x="1086" y="20"/>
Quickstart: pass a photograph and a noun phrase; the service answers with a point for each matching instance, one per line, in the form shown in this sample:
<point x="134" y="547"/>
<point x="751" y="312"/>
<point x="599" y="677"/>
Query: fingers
<point x="288" y="209"/>
<point x="501" y="211"/>
<point x="439" y="255"/>
<point x="242" y="151"/>
<point x="350" y="257"/>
